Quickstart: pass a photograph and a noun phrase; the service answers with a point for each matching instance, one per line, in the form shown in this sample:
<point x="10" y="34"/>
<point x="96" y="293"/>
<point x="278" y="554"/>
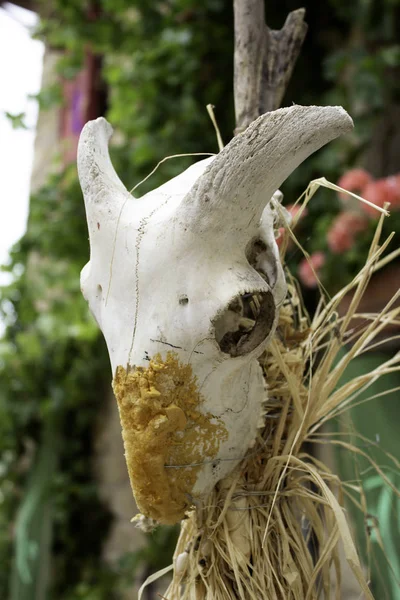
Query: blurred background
<point x="151" y="68"/>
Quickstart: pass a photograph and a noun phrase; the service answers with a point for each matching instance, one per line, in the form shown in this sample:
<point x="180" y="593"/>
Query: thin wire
<point x="167" y="158"/>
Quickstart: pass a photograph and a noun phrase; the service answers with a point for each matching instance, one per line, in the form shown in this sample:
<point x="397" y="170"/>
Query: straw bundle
<point x="274" y="528"/>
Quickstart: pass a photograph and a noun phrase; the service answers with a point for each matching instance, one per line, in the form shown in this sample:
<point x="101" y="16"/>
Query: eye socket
<point x="264" y="259"/>
<point x="256" y="247"/>
<point x="245" y="323"/>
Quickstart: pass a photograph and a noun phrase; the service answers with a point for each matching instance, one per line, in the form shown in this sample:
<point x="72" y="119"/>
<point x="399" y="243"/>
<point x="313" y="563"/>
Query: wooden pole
<point x="264" y="59"/>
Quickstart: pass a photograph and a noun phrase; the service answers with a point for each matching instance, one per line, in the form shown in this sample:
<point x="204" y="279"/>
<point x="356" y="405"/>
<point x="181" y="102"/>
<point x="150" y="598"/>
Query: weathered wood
<point x="283" y="49"/>
<point x="264" y="59"/>
<point x="250" y="48"/>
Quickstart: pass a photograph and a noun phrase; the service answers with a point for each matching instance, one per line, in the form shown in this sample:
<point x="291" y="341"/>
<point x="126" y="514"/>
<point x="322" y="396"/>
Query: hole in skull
<point x="256" y="247"/>
<point x="245" y="323"/>
<point x="264" y="259"/>
<point x="183" y="300"/>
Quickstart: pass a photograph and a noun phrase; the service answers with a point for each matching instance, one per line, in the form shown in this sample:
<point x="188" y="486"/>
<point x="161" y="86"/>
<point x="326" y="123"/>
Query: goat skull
<point x="168" y="281"/>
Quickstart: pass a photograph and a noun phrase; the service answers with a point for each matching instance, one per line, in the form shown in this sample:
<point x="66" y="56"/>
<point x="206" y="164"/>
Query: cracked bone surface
<point x="185" y="284"/>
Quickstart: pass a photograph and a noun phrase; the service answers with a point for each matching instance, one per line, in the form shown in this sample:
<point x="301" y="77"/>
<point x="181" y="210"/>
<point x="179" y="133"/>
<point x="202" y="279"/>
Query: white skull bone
<point x="167" y="280"/>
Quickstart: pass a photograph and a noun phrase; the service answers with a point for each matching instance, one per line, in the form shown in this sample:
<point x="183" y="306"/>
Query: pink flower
<point x="393" y="182"/>
<point x="344" y="229"/>
<point x="309" y="269"/>
<point x="378" y="192"/>
<point x="355" y="181"/>
<point x="280" y="238"/>
<point x="294" y="209"/>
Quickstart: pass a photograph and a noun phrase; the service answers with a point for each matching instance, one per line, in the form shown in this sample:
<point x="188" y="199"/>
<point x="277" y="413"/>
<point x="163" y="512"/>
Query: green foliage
<point x="365" y="68"/>
<point x="51" y="356"/>
<point x="163" y="63"/>
<point x="17" y="121"/>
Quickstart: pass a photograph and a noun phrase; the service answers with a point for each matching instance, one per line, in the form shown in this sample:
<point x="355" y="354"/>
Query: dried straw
<point x="274" y="528"/>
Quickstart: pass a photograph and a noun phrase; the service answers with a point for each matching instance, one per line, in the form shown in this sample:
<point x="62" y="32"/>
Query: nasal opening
<point x="245" y="323"/>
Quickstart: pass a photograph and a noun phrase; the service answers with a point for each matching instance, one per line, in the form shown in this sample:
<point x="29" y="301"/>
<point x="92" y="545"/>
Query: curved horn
<point x="103" y="191"/>
<point x="242" y="178"/>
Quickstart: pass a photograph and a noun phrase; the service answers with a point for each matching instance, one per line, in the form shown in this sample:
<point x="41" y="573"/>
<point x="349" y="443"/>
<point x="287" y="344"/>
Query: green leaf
<point x="17" y="121"/>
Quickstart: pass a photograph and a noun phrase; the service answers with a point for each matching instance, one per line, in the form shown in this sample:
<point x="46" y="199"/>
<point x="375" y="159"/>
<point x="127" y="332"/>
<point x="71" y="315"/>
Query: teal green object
<point x="33" y="529"/>
<point x="378" y="421"/>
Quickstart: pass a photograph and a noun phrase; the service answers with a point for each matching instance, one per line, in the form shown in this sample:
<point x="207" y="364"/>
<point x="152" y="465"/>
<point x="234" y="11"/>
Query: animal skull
<point x="170" y="280"/>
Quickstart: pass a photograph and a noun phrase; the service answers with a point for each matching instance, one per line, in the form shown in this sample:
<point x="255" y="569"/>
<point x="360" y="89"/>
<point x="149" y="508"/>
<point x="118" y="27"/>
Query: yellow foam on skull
<point x="162" y="424"/>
